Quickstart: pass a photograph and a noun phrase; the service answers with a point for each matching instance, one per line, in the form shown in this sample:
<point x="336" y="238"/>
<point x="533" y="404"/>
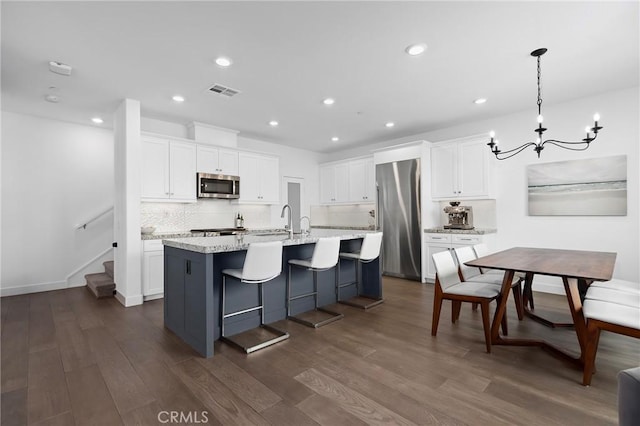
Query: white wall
<point x="54" y="175"/>
<point x="620" y="234"/>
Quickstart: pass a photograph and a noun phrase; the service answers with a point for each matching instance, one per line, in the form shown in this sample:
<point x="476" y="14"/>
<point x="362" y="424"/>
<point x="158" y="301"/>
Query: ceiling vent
<point x="223" y="90"/>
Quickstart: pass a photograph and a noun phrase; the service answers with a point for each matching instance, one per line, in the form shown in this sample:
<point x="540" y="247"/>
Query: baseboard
<point x="153" y="297"/>
<point x="129" y="301"/>
<point x="33" y="288"/>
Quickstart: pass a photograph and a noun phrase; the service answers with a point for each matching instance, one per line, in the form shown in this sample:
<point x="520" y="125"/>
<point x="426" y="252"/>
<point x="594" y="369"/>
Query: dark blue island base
<point x="193" y="286"/>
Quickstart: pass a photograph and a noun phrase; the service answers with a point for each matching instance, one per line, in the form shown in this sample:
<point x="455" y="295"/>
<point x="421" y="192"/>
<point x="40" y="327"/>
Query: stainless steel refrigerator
<point x="398" y="186"/>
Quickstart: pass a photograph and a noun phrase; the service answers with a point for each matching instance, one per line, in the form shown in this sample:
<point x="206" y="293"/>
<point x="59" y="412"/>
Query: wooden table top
<point x="589" y="265"/>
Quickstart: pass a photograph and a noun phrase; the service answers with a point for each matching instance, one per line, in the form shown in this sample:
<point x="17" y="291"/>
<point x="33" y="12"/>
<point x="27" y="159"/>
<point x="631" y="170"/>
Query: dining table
<point x="577" y="269"/>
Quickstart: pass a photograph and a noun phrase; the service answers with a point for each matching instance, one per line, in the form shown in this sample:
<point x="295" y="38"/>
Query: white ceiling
<point x="288" y="56"/>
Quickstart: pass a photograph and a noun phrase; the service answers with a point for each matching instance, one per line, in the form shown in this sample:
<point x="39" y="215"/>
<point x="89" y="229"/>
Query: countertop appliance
<point x="398" y="186"/>
<point x="218" y="186"/>
<point x="460" y="217"/>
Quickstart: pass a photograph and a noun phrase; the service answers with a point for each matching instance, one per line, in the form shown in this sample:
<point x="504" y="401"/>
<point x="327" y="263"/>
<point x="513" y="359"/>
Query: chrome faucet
<point x="288" y="227"/>
<point x="308" y="222"/>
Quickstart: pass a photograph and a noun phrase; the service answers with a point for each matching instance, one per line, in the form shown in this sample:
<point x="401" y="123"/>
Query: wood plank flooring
<point x="68" y="358"/>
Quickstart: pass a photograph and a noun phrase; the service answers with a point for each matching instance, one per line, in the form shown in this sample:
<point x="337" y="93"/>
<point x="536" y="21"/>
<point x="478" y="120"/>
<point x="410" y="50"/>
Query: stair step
<point x="108" y="267"/>
<point x="101" y="285"/>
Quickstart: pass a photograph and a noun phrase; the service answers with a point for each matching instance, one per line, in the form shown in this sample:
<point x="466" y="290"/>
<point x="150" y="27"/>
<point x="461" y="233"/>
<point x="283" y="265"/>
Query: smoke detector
<point x="60" y="68"/>
<point x="52" y="98"/>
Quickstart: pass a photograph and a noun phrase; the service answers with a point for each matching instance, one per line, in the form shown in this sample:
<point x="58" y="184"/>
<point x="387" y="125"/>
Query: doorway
<point x="293" y="190"/>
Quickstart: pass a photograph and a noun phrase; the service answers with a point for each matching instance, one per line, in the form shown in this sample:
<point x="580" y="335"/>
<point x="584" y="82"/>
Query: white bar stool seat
<point x="325" y="257"/>
<point x="369" y="251"/>
<point x="262" y="263"/>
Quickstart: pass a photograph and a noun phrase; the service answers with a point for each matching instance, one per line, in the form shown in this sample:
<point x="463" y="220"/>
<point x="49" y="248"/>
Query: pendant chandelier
<point x="539" y="144"/>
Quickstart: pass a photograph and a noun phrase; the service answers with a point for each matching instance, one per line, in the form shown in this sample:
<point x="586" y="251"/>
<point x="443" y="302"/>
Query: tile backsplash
<point x="169" y="217"/>
<point x="348" y="215"/>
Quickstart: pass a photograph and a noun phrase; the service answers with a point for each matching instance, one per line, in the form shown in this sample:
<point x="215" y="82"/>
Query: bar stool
<point x="263" y="263"/>
<point x="369" y="251"/>
<point x="325" y="257"/>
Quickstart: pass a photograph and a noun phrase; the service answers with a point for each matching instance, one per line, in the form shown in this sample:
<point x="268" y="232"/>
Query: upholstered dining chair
<point x="448" y="286"/>
<point x="483" y="250"/>
<point x="613" y="307"/>
<point x="470" y="273"/>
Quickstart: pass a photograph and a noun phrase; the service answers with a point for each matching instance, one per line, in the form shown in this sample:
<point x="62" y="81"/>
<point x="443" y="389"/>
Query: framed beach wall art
<point x="590" y="187"/>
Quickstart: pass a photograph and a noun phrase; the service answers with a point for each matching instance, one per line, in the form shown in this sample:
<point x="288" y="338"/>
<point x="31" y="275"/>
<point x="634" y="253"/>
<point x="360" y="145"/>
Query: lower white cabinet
<point x="437" y="242"/>
<point x="152" y="269"/>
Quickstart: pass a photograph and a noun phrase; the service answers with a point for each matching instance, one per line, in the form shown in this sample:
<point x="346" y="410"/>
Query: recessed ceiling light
<point x="480" y="101"/>
<point x="273" y="123"/>
<point x="223" y="62"/>
<point x="416" y="49"/>
<point x="97" y="120"/>
<point x="178" y="98"/>
<point x="329" y="101"/>
<point x="390" y="124"/>
<point x="335" y="139"/>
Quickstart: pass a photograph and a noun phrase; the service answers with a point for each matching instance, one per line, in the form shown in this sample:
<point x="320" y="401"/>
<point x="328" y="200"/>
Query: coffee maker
<point x="460" y="217"/>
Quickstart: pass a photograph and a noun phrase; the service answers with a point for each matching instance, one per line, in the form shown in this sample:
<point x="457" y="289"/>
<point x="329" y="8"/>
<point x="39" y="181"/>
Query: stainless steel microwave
<point x="218" y="186"/>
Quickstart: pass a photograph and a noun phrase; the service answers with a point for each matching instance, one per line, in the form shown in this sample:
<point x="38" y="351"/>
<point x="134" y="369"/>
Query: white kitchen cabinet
<point x="168" y="170"/>
<point x="461" y="170"/>
<point x="152" y="269"/>
<point x="259" y="178"/>
<point x="182" y="171"/>
<point x="348" y="182"/>
<point x="437" y="242"/>
<point x="334" y="183"/>
<point x="217" y="161"/>
<point x="362" y="181"/>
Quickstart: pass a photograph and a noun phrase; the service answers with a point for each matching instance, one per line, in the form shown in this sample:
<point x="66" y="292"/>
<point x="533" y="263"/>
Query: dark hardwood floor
<point x="70" y="359"/>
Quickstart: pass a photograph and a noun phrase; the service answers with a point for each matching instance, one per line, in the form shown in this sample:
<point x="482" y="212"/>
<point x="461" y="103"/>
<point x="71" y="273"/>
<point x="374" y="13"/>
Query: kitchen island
<point x="193" y="283"/>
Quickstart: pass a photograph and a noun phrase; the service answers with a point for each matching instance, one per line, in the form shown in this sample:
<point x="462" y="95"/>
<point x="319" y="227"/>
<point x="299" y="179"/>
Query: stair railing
<point x="87" y="263"/>
<point x="93" y="219"/>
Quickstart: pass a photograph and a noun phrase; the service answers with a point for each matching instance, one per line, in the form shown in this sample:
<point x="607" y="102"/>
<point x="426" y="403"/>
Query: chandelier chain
<point x="539" y="89"/>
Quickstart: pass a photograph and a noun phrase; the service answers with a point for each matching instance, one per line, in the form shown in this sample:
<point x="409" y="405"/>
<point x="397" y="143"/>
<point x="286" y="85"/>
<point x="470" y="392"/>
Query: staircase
<point x="102" y="285"/>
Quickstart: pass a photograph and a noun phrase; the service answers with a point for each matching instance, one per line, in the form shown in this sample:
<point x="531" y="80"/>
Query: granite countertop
<point x="189" y="234"/>
<point x="360" y="228"/>
<point x="227" y="243"/>
<point x="476" y="231"/>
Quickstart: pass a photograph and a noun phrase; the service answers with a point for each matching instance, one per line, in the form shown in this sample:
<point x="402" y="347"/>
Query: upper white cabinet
<point x="259" y="178"/>
<point x="348" y="182"/>
<point x="362" y="180"/>
<point x="334" y="183"/>
<point x="168" y="170"/>
<point x="461" y="169"/>
<point x="217" y="161"/>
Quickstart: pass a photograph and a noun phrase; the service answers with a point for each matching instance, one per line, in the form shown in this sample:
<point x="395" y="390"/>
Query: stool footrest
<point x="256" y="338"/>
<point x="300" y="296"/>
<point x="347" y="284"/>
<point x="316" y="317"/>
<point x="362" y="302"/>
<point x="244" y="311"/>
